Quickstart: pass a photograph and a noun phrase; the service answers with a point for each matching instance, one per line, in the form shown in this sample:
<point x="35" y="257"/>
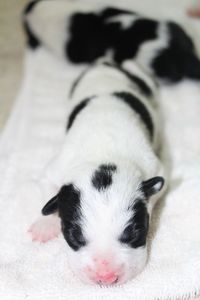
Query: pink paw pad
<point x="45" y="229"/>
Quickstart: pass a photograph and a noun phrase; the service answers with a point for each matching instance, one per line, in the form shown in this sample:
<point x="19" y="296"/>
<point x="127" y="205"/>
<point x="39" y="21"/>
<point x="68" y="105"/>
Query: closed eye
<point x="135" y="233"/>
<point x="134" y="238"/>
<point x="128" y="235"/>
<point x="74" y="236"/>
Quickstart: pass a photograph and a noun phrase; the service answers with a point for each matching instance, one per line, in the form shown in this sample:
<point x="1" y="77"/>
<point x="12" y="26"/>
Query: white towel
<point x="33" y="134"/>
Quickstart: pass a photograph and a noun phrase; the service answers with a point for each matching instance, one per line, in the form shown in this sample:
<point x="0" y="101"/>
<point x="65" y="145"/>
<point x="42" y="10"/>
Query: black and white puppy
<point x="108" y="175"/>
<point x="81" y="33"/>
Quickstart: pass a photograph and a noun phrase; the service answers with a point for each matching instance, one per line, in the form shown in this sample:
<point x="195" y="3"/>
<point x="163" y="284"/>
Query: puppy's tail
<point x="32" y="40"/>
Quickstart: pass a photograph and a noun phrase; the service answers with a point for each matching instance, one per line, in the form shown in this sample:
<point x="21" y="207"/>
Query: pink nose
<point x="107" y="278"/>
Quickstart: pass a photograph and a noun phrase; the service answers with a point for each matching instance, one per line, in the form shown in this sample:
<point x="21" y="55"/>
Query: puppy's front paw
<point x="45" y="229"/>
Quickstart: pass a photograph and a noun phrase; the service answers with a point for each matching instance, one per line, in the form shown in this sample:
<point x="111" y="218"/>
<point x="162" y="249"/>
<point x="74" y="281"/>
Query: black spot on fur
<point x="29" y="7"/>
<point x="102" y="178"/>
<point x="78" y="108"/>
<point x="179" y="59"/>
<point x="76" y="82"/>
<point x="192" y="67"/>
<point x="135" y="233"/>
<point x="92" y="34"/>
<point x="138" y="107"/>
<point x="129" y="40"/>
<point x="95" y="33"/>
<point x="143" y="87"/>
<point x="70" y="213"/>
<point x="87" y="40"/>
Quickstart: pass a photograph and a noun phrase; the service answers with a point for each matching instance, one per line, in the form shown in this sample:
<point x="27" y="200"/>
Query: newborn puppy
<point x="83" y="33"/>
<point x="108" y="175"/>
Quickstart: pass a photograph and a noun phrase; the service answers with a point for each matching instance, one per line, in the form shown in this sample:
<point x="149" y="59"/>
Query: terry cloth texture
<point x="31" y="138"/>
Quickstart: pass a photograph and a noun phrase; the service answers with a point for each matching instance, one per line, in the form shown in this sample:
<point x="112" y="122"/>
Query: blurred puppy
<point x="83" y="33"/>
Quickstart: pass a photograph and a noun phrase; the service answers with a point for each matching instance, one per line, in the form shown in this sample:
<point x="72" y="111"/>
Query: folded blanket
<point x="31" y="138"/>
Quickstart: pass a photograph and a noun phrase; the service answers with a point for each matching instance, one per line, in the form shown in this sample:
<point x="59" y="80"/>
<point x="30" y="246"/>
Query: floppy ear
<point x="152" y="186"/>
<point x="51" y="206"/>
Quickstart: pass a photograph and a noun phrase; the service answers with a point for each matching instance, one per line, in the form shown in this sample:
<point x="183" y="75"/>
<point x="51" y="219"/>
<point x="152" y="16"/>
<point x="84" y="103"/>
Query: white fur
<point x="125" y="20"/>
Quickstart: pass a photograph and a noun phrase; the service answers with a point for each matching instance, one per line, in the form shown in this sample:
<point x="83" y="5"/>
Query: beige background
<point x="11" y="55"/>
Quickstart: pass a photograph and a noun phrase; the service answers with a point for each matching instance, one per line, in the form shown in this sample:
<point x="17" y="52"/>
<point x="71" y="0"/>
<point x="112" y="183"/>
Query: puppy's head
<point x="105" y="213"/>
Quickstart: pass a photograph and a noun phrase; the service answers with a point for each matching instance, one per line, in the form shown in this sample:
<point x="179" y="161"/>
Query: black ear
<point x="152" y="186"/>
<point x="51" y="206"/>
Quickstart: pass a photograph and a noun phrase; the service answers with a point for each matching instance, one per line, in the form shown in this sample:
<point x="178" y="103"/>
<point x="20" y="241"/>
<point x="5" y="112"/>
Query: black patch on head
<point x="135" y="233"/>
<point x="179" y="59"/>
<point x="78" y="108"/>
<point x="29" y="7"/>
<point x="102" y="177"/>
<point x="70" y="214"/>
<point x="67" y="203"/>
<point x="143" y="87"/>
<point x="138" y="107"/>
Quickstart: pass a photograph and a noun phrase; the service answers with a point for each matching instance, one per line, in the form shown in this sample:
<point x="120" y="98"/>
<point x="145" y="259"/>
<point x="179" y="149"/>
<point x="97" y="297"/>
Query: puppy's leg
<point x="48" y="227"/>
<point x="45" y="228"/>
